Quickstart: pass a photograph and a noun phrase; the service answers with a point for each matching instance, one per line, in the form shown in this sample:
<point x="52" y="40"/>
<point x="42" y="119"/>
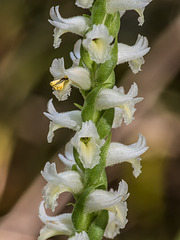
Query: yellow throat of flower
<point x="59" y="84"/>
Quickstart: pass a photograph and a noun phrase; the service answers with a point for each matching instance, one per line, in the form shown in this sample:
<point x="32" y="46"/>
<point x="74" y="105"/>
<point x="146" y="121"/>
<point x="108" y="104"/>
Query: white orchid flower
<point x="119" y="153"/>
<point x="123" y="103"/>
<point x="79" y="236"/>
<point x="78" y="25"/>
<point x="59" y="183"/>
<point x="56" y="225"/>
<point x="97" y="43"/>
<point x="76" y="55"/>
<point x="127" y="108"/>
<point x="68" y="160"/>
<point x="71" y="119"/>
<point x="110" y="98"/>
<point x="84" y="3"/>
<point x="123" y="5"/>
<point x="63" y="79"/>
<point x="113" y="201"/>
<point x="133" y="54"/>
<point x="88" y="144"/>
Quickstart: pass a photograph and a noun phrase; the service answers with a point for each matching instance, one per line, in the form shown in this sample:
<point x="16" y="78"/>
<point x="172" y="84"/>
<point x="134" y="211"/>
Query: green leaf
<point x="99" y="12"/>
<point x="88" y="111"/>
<point x="77" y="160"/>
<point x="112" y="23"/>
<point x="80" y="218"/>
<point x="78" y="106"/>
<point x="85" y="58"/>
<point x="104" y="124"/>
<point x="97" y="228"/>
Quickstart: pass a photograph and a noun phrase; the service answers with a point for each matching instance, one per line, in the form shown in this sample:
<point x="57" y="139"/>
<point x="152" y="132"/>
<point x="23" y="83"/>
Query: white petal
<point x="79" y="236"/>
<point x="109" y="98"/>
<point x="118" y="117"/>
<point x="79" y="77"/>
<point x="133" y="54"/>
<point x="71" y="120"/>
<point x="84" y="3"/>
<point x="55" y="225"/>
<point x="58" y="183"/>
<point x="64" y="93"/>
<point x="57" y="68"/>
<point x="119" y="5"/>
<point x="97" y="43"/>
<point x="127" y="108"/>
<point x="119" y="153"/>
<point x="57" y="34"/>
<point x="47" y="232"/>
<point x="78" y="25"/>
<point x="50" y="173"/>
<point x="101" y="199"/>
<point x="112" y="228"/>
<point x="75" y="55"/>
<point x="88" y="152"/>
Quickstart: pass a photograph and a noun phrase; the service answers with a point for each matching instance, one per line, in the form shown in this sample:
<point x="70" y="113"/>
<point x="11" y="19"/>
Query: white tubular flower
<point x="133" y="54"/>
<point x="63" y="79"/>
<point x="58" y="183"/>
<point x="88" y="144"/>
<point x="127" y="109"/>
<point x="97" y="43"/>
<point x="79" y="236"/>
<point x="71" y="119"/>
<point x="123" y="5"/>
<point x="57" y="225"/>
<point x="113" y="201"/>
<point x="84" y="3"/>
<point x="78" y="25"/>
<point x="75" y="55"/>
<point x="119" y="153"/>
<point x="68" y="160"/>
<point x="110" y="98"/>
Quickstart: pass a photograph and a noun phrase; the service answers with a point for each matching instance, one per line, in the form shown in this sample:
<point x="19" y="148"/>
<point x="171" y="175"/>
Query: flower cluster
<point x="97" y="212"/>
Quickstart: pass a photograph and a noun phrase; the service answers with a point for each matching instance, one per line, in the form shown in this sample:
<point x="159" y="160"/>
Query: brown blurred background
<point x="26" y="54"/>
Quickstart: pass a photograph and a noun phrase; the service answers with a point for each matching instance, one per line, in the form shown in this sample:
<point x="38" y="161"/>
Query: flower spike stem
<point x="97" y="212"/>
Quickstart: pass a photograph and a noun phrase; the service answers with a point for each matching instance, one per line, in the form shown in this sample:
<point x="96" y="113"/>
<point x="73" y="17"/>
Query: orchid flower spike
<point x="58" y="225"/>
<point x="133" y="54"/>
<point x="113" y="201"/>
<point x="79" y="236"/>
<point x="123" y="5"/>
<point x="97" y="43"/>
<point x="76" y="55"/>
<point x="71" y="119"/>
<point x="88" y="144"/>
<point x="59" y="183"/>
<point x="63" y="79"/>
<point x="84" y="3"/>
<point x="78" y="25"/>
<point x="119" y="153"/>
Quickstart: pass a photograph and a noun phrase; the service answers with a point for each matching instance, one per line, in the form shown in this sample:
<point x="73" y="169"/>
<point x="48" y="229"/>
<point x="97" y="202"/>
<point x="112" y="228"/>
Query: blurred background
<point x="26" y="53"/>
